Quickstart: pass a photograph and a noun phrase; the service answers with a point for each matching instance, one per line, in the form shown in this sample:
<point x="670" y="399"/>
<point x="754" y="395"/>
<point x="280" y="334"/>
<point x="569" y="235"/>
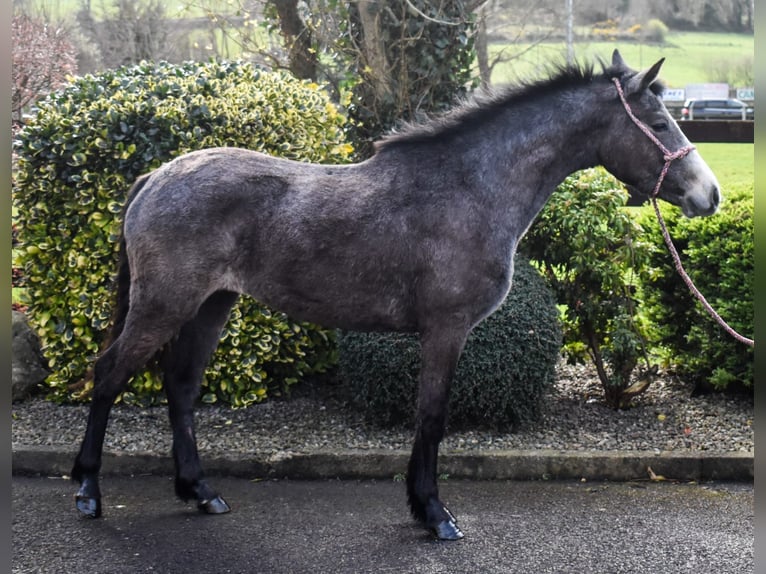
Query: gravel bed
<point x="665" y="418"/>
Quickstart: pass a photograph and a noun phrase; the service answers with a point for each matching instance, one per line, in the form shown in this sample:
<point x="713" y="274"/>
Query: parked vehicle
<point x="728" y="109"/>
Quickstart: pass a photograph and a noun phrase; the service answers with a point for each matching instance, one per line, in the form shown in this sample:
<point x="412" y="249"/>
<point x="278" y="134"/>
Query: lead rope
<point x="669" y="156"/>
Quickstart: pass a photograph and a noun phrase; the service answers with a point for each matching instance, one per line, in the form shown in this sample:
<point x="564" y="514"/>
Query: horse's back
<point x="311" y="240"/>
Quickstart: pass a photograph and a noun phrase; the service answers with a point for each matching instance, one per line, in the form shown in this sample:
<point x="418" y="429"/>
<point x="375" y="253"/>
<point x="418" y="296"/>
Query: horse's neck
<point x="553" y="138"/>
<point x="537" y="146"/>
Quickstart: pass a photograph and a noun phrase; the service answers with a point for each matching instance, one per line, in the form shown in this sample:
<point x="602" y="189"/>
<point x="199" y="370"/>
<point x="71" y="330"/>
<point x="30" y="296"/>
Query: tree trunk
<point x="374" y="49"/>
<point x="482" y="49"/>
<point x="298" y="40"/>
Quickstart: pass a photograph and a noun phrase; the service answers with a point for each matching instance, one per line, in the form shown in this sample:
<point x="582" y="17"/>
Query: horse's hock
<point x="27" y="365"/>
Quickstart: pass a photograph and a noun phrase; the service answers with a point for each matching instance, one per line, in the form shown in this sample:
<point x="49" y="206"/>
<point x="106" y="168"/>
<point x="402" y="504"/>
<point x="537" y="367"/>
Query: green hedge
<point x="624" y="303"/>
<point x="507" y="366"/>
<point x="77" y="159"/>
<point x="717" y="252"/>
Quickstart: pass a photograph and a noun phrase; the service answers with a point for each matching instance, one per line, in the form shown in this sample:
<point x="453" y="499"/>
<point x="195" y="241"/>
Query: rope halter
<point x="669" y="157"/>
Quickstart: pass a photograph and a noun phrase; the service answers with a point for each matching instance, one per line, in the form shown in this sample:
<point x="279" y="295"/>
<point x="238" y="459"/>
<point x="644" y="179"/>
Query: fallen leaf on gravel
<point x="654" y="477"/>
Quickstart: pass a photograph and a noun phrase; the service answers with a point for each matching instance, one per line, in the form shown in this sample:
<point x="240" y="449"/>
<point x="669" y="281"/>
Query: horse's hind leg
<point x="440" y="351"/>
<point x="183" y="366"/>
<point x="129" y="352"/>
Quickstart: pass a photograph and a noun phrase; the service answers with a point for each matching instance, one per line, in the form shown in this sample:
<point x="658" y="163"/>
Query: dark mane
<point x="485" y="105"/>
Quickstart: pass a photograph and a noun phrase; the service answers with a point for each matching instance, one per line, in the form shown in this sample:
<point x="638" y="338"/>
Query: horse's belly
<point x="349" y="309"/>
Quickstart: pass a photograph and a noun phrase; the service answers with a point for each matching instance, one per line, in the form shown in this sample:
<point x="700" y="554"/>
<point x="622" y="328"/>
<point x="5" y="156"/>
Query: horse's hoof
<point x="88" y="506"/>
<point x="447" y="530"/>
<point x="88" y="497"/>
<point x="215" y="505"/>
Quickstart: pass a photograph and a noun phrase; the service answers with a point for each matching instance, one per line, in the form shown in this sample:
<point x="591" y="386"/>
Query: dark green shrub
<point x="590" y="248"/>
<point x="77" y="159"/>
<point x="507" y="366"/>
<point x="717" y="252"/>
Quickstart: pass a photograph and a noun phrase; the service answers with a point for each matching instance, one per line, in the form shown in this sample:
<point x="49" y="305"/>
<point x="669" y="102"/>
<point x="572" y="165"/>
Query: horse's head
<point x="643" y="137"/>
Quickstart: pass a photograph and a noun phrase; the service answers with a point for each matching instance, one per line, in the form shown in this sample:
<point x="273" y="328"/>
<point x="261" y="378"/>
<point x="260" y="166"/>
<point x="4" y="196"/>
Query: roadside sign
<point x="707" y="91"/>
<point x="745" y="93"/>
<point x="674" y="95"/>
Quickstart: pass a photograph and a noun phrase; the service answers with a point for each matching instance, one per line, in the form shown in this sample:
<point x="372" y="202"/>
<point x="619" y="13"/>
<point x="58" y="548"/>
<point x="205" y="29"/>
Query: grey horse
<point x="420" y="237"/>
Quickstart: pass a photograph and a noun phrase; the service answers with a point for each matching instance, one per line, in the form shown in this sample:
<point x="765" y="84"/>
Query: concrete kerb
<point x="387" y="464"/>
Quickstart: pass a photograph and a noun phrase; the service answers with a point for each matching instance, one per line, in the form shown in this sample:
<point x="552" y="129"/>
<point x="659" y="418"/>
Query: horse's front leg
<point x="440" y="351"/>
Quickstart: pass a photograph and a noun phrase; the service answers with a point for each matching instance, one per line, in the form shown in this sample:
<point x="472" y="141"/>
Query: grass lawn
<point x="689" y="56"/>
<point x="733" y="164"/>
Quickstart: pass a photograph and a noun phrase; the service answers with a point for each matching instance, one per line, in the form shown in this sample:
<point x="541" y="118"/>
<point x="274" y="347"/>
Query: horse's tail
<point x="122" y="302"/>
<point x="122" y="299"/>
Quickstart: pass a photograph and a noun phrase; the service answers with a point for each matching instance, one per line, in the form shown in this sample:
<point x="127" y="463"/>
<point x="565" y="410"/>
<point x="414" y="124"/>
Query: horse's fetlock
<point x="77" y="474"/>
<point x="185" y="489"/>
<point x="82" y="471"/>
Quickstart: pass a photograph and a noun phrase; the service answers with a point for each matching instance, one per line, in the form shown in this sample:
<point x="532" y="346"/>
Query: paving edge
<point x="381" y="464"/>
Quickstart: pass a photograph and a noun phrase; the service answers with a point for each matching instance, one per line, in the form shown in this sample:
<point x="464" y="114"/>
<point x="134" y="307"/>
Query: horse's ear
<point x="617" y="62"/>
<point x="643" y="80"/>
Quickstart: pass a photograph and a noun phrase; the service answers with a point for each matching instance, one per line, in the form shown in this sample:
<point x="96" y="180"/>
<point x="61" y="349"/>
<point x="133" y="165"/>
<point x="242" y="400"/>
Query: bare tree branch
<point x="43" y="57"/>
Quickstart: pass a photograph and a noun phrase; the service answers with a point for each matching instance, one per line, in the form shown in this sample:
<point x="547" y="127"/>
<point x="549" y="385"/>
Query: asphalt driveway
<point x="337" y="527"/>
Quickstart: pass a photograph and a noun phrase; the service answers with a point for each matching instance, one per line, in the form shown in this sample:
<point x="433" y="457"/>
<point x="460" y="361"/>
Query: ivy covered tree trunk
<point x="373" y="47"/>
<point x="409" y="57"/>
<point x="299" y="40"/>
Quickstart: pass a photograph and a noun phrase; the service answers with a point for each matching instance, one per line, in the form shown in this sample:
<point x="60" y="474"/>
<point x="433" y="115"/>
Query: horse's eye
<point x="660" y="126"/>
